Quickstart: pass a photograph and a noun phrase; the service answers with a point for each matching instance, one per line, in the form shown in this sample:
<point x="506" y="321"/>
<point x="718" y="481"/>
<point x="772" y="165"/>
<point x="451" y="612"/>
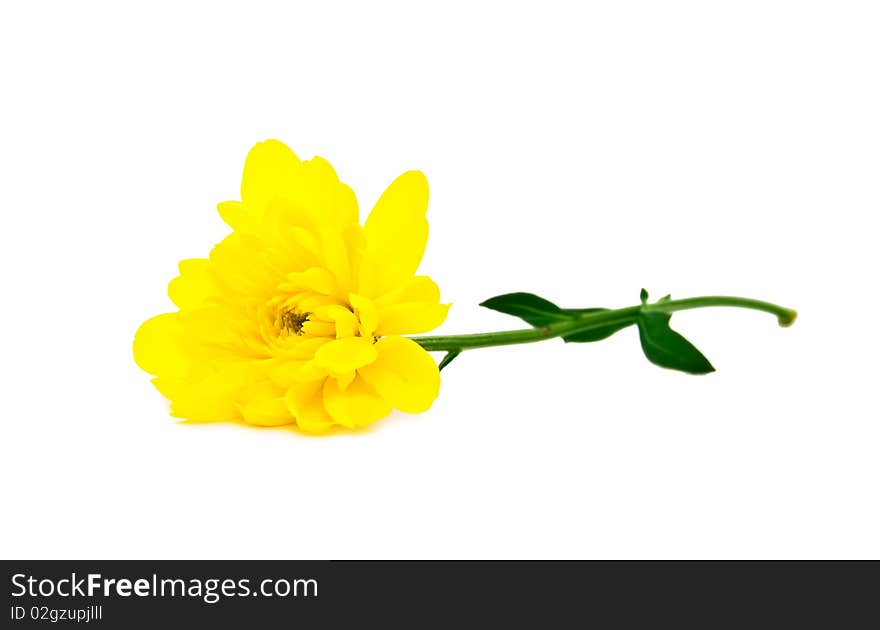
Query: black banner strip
<point x="290" y="594"/>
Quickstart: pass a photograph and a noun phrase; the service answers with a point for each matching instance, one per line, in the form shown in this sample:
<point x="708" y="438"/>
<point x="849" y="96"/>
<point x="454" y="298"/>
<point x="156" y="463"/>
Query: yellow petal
<point x="240" y="265"/>
<point x="411" y="318"/>
<point x="335" y="258"/>
<point x="366" y="313"/>
<point x="267" y="412"/>
<point x="404" y="374"/>
<point x="328" y="202"/>
<point x="305" y="401"/>
<point x="194" y="285"/>
<point x="288" y="373"/>
<point x="213" y="331"/>
<point x="304" y="348"/>
<point x="314" y="418"/>
<point x="214" y="397"/>
<point x="344" y="380"/>
<point x="159" y="347"/>
<point x="269" y="173"/>
<point x="418" y="289"/>
<point x="396" y="233"/>
<point x="168" y="387"/>
<point x="346" y="206"/>
<point x="319" y="329"/>
<point x="344" y="320"/>
<point x="287" y="253"/>
<point x="233" y="214"/>
<point x="308" y="302"/>
<point x="298" y="395"/>
<point x="356" y="406"/>
<point x="315" y="279"/>
<point x="355" y="243"/>
<point x="302" y="239"/>
<point x="344" y="355"/>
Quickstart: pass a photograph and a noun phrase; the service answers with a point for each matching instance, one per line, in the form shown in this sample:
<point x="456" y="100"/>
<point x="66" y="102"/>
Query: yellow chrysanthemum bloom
<point x="296" y="317"/>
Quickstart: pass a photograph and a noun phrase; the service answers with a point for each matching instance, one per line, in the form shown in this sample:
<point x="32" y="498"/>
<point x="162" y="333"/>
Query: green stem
<point x="589" y="321"/>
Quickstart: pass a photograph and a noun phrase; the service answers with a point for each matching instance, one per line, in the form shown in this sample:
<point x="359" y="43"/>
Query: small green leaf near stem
<point x="667" y="348"/>
<point x="449" y="358"/>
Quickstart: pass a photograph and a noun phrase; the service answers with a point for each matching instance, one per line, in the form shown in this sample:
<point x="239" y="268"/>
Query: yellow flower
<point x="297" y="315"/>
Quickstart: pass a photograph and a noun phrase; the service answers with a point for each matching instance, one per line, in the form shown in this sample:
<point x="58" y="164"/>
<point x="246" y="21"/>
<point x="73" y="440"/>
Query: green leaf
<point x="539" y="312"/>
<point x="449" y="358"/>
<point x="666" y="348"/>
<point x="594" y="334"/>
<point x="527" y="306"/>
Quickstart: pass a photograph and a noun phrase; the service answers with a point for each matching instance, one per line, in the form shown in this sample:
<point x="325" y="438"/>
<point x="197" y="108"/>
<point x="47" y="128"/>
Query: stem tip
<point x="787" y="318"/>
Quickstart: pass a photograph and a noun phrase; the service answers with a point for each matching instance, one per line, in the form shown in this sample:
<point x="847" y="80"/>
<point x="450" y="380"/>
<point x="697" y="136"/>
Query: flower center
<point x="292" y="321"/>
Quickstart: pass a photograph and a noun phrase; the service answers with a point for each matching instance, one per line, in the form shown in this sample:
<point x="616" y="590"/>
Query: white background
<point x="577" y="150"/>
